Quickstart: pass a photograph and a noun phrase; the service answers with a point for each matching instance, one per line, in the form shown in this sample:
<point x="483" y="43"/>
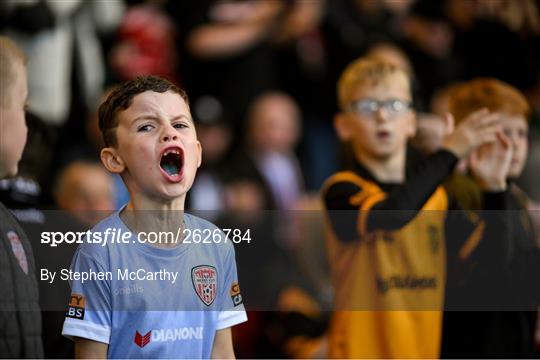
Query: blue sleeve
<point x="232" y="310"/>
<point x="88" y="313"/>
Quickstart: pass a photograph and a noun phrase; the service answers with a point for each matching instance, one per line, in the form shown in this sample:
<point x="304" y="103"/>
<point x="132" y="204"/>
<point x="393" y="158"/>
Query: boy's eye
<point x="179" y="126"/>
<point x="398" y="105"/>
<point x="370" y="107"/>
<point x="145" y="128"/>
<point x="365" y="106"/>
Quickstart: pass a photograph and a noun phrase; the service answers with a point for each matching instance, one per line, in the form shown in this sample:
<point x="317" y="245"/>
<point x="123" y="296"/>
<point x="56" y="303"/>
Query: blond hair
<point x="489" y="93"/>
<point x="10" y="54"/>
<point x="369" y="72"/>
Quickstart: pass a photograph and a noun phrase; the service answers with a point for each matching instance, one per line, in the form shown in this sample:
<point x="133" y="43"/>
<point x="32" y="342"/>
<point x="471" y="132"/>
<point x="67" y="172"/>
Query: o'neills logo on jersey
<point x="406" y="282"/>
<point x="204" y="280"/>
<point x="168" y="335"/>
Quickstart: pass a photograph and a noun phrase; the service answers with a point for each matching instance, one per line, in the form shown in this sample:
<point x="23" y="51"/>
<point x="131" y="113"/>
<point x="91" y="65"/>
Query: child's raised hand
<point x="479" y="128"/>
<point x="490" y="163"/>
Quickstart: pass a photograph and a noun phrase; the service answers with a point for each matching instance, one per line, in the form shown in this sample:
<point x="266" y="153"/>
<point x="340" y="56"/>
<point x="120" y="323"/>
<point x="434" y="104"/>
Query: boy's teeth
<point x="172" y="151"/>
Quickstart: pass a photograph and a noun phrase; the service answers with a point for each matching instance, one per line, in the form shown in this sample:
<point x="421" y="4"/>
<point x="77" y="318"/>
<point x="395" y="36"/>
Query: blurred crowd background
<point x="261" y="76"/>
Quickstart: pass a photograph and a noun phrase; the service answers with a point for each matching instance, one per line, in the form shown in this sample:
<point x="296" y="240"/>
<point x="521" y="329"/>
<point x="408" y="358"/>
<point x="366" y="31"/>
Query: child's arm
<point x="223" y="347"/>
<point x="380" y="211"/>
<point x="477" y="129"/>
<point x="500" y="254"/>
<point x="89" y="349"/>
<point x="88" y="317"/>
<point x="478" y="244"/>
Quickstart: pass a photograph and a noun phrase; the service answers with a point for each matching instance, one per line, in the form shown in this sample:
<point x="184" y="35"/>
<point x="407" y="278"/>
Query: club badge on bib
<point x="204" y="278"/>
<point x="18" y="250"/>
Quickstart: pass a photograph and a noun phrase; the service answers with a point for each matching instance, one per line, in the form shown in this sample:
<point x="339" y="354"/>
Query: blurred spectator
<point x="60" y="38"/>
<point x="429" y="43"/>
<point x="244" y="195"/>
<point x="352" y="26"/>
<point x="302" y="59"/>
<point x="27" y="196"/>
<point x="488" y="28"/>
<point x="146" y="44"/>
<point x="509" y="292"/>
<point x="226" y="50"/>
<point x="85" y="190"/>
<point x="20" y="333"/>
<point x="272" y="133"/>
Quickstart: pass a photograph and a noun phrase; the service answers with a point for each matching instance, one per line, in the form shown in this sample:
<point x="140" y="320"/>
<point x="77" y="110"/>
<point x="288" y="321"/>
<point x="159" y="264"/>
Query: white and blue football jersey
<point x="153" y="302"/>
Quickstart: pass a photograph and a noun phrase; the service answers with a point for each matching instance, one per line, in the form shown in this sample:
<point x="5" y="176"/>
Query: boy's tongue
<point x="171" y="163"/>
<point x="170" y="168"/>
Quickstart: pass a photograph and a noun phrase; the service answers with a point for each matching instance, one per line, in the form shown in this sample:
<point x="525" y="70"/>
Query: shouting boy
<point x="174" y="299"/>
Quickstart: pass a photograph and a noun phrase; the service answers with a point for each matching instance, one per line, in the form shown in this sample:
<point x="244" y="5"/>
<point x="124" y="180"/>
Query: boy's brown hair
<point x="121" y="98"/>
<point x="490" y="93"/>
<point x="369" y="72"/>
<point x="10" y="54"/>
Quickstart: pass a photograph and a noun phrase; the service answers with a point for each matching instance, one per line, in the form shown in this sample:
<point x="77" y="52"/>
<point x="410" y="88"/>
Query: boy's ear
<point x="341" y="125"/>
<point x="199" y="154"/>
<point x="112" y="160"/>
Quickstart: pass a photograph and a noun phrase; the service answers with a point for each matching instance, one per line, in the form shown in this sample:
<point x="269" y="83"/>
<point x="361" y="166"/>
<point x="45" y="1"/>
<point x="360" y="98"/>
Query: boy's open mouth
<point x="172" y="163"/>
<point x="383" y="134"/>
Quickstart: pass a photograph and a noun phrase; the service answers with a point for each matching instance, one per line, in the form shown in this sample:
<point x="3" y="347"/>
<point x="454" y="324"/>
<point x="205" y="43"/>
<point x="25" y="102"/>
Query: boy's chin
<point x="384" y="154"/>
<point x="173" y="194"/>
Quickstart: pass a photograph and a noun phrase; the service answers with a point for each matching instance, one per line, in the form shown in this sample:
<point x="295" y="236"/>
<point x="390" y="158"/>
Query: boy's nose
<point x="169" y="137"/>
<point x="381" y="115"/>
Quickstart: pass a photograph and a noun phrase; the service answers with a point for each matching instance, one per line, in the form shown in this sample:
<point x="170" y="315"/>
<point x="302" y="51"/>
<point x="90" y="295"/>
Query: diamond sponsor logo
<point x="168" y="335"/>
<point x="142" y="340"/>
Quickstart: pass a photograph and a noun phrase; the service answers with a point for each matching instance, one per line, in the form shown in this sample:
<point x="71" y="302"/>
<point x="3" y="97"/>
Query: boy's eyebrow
<point x="153" y="117"/>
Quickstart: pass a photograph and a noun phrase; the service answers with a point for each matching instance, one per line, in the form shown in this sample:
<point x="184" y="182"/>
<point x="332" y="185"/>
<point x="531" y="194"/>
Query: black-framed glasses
<point x="368" y="107"/>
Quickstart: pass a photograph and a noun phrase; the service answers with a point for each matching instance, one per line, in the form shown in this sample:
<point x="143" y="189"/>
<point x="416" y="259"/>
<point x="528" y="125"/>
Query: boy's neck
<point x="385" y="170"/>
<point x="138" y="202"/>
<point x="147" y="215"/>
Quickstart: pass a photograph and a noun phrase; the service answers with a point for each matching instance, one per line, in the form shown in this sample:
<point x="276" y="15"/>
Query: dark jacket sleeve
<point x="353" y="210"/>
<point x="478" y="244"/>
